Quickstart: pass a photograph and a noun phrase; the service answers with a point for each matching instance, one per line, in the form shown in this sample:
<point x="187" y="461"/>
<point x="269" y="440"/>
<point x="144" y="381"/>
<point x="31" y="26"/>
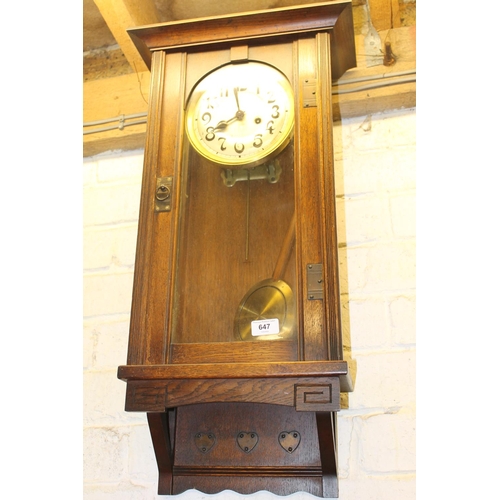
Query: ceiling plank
<point x="123" y="14"/>
<point x="385" y="14"/>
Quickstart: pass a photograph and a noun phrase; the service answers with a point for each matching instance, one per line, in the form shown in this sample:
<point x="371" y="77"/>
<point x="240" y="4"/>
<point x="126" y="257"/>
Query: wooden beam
<point x="110" y="98"/>
<point x="402" y="96"/>
<point x="387" y="96"/>
<point x="384" y="14"/>
<point x="123" y="14"/>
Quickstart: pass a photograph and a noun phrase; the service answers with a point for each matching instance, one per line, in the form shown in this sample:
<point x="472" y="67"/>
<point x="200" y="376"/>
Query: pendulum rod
<point x="247" y="242"/>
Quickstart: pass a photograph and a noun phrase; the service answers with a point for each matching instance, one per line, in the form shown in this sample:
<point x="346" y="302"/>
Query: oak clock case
<point x="235" y="346"/>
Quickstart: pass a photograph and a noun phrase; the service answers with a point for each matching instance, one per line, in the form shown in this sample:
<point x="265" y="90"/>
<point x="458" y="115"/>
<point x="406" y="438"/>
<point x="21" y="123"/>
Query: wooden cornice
<point x="384" y="14"/>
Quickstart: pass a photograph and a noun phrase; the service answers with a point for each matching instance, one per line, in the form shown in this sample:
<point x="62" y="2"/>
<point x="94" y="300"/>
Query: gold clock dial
<point x="241" y="114"/>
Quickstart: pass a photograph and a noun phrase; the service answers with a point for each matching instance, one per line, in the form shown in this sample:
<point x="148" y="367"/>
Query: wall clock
<point x="235" y="346"/>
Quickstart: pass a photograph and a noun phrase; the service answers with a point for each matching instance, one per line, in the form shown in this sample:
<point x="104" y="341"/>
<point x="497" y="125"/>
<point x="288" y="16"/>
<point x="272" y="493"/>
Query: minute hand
<point x="236" y="90"/>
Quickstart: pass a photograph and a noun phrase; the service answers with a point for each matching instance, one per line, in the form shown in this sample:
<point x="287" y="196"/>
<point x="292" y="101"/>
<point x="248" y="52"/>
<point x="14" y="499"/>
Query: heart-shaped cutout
<point x="247" y="441"/>
<point x="289" y="441"/>
<point x="204" y="441"/>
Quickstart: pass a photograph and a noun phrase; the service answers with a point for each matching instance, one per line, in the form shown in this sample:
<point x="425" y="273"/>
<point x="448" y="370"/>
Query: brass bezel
<point x="263" y="71"/>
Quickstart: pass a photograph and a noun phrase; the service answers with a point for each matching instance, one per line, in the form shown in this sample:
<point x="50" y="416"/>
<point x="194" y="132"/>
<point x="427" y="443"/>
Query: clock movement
<point x="235" y="346"/>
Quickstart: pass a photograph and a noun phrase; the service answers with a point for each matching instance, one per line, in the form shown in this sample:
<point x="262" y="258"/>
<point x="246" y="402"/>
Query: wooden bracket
<point x="301" y="457"/>
<point x="161" y="429"/>
<point x="327" y="435"/>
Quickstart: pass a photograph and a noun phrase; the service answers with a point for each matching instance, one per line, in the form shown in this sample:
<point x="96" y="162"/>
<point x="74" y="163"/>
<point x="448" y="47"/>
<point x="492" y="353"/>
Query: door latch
<point x="163" y="194"/>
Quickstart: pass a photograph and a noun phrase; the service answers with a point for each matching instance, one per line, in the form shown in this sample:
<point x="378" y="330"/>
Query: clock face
<point x="241" y="114"/>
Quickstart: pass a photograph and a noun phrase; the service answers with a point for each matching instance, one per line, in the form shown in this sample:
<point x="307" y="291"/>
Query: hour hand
<point x="224" y="123"/>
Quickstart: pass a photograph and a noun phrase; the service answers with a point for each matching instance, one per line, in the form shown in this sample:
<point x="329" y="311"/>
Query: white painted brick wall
<point x="375" y="183"/>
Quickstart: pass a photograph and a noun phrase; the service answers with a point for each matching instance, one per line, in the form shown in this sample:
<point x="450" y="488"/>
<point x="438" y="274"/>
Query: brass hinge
<point x="315" y="281"/>
<point x="309" y="93"/>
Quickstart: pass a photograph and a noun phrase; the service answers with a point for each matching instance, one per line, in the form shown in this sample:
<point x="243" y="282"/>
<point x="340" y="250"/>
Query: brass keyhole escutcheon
<point x="163" y="192"/>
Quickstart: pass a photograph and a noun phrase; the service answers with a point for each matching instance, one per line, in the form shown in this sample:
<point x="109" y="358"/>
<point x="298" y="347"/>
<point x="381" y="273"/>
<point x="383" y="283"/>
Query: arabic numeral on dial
<point x="206" y="117"/>
<point x="270" y="97"/>
<point x="223" y="143"/>
<point x="210" y="135"/>
<point x="239" y="147"/>
<point x="276" y="113"/>
<point x="270" y="126"/>
<point x="257" y="143"/>
<point x="210" y="101"/>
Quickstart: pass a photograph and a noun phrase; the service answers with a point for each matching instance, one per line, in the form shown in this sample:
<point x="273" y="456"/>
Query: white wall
<point x="375" y="183"/>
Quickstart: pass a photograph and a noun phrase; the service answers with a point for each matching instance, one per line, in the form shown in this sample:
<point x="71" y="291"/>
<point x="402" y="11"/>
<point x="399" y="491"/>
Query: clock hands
<point x="224" y="123"/>
<point x="238" y="116"/>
